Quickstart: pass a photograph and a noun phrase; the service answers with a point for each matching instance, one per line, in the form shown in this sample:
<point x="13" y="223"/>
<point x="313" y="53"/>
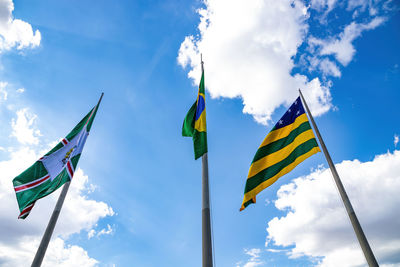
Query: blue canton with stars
<point x="295" y="110"/>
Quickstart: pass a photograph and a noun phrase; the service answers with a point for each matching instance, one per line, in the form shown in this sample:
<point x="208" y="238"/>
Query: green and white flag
<point x="53" y="169"/>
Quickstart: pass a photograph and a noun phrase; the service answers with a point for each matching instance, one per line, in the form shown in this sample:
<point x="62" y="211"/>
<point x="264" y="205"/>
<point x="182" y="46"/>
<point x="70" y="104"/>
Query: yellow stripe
<point x="265" y="184"/>
<point x="285" y="131"/>
<point x="279" y="155"/>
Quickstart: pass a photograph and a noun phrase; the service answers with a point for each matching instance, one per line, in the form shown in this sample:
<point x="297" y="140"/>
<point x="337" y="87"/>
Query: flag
<point x="289" y="143"/>
<point x="53" y="169"/>
<point x="194" y="124"/>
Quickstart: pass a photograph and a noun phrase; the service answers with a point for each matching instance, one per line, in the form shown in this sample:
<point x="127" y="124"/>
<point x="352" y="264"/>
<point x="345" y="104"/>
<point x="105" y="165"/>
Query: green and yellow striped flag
<point x="195" y="125"/>
<point x="289" y="143"/>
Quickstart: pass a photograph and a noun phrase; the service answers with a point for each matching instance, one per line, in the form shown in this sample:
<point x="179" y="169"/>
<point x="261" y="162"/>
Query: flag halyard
<point x="289" y="143"/>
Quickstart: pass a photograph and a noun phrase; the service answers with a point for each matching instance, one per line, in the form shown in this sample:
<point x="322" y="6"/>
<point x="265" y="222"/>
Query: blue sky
<point x="136" y="200"/>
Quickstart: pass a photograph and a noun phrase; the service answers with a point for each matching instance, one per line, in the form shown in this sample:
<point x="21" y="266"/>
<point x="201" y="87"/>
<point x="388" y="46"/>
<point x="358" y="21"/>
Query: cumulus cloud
<point x="79" y="213"/>
<point x="396" y="140"/>
<point x="58" y="254"/>
<point x="248" y="48"/>
<point x="15" y="33"/>
<point x="317" y="225"/>
<point x="23" y="127"/>
<point x="342" y="45"/>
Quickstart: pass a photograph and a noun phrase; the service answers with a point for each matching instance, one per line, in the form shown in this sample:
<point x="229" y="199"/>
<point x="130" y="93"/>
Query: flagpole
<point x="369" y="255"/>
<point x="44" y="243"/>
<point x="206" y="223"/>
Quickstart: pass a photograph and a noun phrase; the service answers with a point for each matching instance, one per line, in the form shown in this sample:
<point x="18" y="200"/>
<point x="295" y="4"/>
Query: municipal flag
<point x="289" y="143"/>
<point x="194" y="124"/>
<point x="53" y="169"/>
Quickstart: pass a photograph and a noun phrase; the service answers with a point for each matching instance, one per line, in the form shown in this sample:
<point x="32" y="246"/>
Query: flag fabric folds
<point x="194" y="124"/>
<point x="289" y="143"/>
<point x="53" y="169"/>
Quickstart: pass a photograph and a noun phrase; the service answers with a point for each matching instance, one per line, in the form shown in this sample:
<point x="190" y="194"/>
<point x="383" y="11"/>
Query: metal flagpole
<point x="37" y="261"/>
<point x="369" y="255"/>
<point x="206" y="224"/>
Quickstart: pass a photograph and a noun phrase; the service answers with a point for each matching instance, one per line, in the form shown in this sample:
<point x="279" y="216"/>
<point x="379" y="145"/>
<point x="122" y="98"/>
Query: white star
<point x="298" y="112"/>
<point x="289" y="110"/>
<point x="280" y="121"/>
<point x="295" y="102"/>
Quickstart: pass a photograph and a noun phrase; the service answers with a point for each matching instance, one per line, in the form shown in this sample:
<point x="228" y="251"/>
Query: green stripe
<point x="248" y="203"/>
<point x="199" y="143"/>
<point x="269" y="172"/>
<point x="90" y="122"/>
<point x="281" y="143"/>
<point x="74" y="161"/>
<point x="201" y="85"/>
<point x="188" y="122"/>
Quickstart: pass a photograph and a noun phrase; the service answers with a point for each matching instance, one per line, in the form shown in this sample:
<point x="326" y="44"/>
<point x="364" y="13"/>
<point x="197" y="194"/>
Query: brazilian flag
<point x="289" y="143"/>
<point x="195" y="125"/>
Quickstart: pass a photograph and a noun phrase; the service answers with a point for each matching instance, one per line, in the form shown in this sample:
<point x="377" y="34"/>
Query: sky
<point x="135" y="199"/>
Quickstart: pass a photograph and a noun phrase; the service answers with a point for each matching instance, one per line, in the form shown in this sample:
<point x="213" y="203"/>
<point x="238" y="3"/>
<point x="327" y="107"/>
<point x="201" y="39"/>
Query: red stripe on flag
<point x="64" y="141"/>
<point x="26" y="211"/>
<point x="70" y="169"/>
<point x="90" y="115"/>
<point x="31" y="184"/>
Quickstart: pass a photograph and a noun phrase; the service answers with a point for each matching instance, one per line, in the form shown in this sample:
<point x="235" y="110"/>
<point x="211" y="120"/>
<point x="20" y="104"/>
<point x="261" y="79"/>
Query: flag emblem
<point x="289" y="143"/>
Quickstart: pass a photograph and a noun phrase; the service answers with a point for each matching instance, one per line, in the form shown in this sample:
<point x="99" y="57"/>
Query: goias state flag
<point x="195" y="125"/>
<point x="289" y="143"/>
<point x="53" y="169"/>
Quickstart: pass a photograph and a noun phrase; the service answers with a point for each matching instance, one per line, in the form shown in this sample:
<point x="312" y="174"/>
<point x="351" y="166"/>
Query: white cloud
<point x="20" y="90"/>
<point x="254" y="260"/>
<point x="329" y="68"/>
<point x="58" y="254"/>
<point x="316" y="222"/>
<point x="103" y="231"/>
<point x="23" y="127"/>
<point x="15" y="32"/>
<point x="3" y="91"/>
<point x="342" y="45"/>
<point x="322" y="5"/>
<point x="396" y="140"/>
<point x="374" y="7"/>
<point x="20" y="237"/>
<point x="248" y="49"/>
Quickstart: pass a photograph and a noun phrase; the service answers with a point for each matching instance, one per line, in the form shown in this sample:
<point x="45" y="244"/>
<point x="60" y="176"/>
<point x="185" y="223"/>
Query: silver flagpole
<point x="369" y="255"/>
<point x="37" y="261"/>
<point x="206" y="223"/>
